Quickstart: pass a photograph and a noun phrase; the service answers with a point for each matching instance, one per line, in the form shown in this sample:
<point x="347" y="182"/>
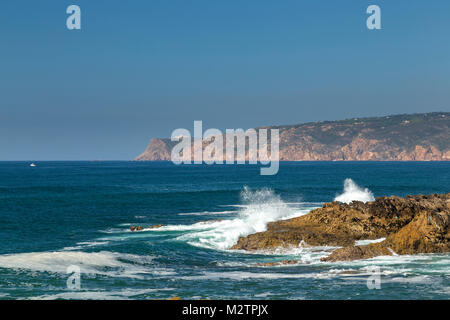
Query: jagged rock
<point x="427" y="233"/>
<point x="414" y="224"/>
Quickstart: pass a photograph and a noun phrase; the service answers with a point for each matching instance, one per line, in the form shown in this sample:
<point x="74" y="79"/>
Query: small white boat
<point x="32" y="165"/>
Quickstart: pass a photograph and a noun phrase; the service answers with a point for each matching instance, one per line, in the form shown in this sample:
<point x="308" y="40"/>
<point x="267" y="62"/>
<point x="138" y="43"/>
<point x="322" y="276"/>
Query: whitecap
<point x="262" y="206"/>
<point x="352" y="192"/>
<point x="207" y="213"/>
<point x="94" y="263"/>
<point x="366" y="242"/>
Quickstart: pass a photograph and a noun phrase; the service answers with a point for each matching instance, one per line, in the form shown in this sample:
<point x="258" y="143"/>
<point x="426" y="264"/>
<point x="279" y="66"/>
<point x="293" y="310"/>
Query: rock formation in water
<point x="140" y="228"/>
<point x="414" y="137"/>
<point x="410" y="225"/>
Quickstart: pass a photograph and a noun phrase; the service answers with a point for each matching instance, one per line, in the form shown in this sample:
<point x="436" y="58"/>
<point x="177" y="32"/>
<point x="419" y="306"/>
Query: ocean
<point x="59" y="217"/>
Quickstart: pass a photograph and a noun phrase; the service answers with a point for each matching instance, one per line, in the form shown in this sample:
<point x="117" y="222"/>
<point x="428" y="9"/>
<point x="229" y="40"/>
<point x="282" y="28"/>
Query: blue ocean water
<point x="61" y="214"/>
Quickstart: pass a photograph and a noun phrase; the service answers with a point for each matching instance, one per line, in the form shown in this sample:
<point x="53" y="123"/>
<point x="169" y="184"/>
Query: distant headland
<point x="406" y="137"/>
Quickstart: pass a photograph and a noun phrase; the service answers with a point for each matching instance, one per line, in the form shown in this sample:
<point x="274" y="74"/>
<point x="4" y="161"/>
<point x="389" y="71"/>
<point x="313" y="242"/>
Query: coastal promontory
<point x="407" y="137"/>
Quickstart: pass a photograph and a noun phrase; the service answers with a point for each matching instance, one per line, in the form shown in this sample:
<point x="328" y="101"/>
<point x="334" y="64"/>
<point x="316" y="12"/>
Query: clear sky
<point x="140" y="69"/>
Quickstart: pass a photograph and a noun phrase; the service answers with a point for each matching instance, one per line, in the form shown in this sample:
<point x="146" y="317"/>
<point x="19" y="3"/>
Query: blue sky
<point x="140" y="69"/>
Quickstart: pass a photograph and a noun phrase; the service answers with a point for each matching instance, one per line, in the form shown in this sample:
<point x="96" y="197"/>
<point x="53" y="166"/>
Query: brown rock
<point x="139" y="228"/>
<point x="414" y="137"/>
<point x="357" y="252"/>
<point x="155" y="226"/>
<point x="428" y="232"/>
<point x="414" y="224"/>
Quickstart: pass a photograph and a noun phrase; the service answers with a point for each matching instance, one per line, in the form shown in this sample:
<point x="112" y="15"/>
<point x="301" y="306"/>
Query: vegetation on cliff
<point x="409" y="137"/>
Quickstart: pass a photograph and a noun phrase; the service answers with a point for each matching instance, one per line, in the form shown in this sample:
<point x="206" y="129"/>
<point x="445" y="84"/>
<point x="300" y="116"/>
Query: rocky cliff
<point x="410" y="225"/>
<point x="415" y="137"/>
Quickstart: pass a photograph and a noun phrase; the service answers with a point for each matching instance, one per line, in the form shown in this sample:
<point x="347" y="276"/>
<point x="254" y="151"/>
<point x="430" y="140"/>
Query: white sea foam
<point x="100" y="294"/>
<point x="421" y="279"/>
<point x="86" y="244"/>
<point x="366" y="242"/>
<point x="112" y="230"/>
<point x="207" y="213"/>
<point x="302" y="255"/>
<point x="117" y="264"/>
<point x="430" y="264"/>
<point x="353" y="192"/>
<point x="198" y="226"/>
<point x="389" y="274"/>
<point x="261" y="207"/>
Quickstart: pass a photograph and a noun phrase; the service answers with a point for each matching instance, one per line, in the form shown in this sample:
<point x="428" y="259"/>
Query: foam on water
<point x="354" y="192"/>
<point x="405" y="265"/>
<point x="241" y="275"/>
<point x="366" y="242"/>
<point x="207" y="213"/>
<point x="86" y="244"/>
<point x="100" y="294"/>
<point x="101" y="263"/>
<point x="261" y="207"/>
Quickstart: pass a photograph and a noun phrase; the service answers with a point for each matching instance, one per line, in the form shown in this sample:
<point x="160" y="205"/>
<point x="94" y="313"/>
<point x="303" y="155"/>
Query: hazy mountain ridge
<point x="406" y="137"/>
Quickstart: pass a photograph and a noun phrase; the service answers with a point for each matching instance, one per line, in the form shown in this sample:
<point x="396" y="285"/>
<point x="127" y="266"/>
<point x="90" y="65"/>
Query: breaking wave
<point x="260" y="207"/>
<point x="106" y="263"/>
<point x="353" y="192"/>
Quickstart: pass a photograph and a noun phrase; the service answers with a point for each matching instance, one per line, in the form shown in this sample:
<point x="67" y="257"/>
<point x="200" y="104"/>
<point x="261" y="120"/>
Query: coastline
<point x="409" y="225"/>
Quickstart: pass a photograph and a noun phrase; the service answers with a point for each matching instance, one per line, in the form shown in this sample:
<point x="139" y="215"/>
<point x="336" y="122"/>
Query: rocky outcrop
<point x="410" y="225"/>
<point x="414" y="137"/>
<point x="157" y="150"/>
<point x="140" y="228"/>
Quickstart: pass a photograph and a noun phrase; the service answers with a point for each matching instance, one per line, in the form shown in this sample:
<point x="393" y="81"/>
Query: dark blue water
<point x="61" y="214"/>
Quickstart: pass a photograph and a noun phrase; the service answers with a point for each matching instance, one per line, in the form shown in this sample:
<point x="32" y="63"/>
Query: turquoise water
<point x="60" y="214"/>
